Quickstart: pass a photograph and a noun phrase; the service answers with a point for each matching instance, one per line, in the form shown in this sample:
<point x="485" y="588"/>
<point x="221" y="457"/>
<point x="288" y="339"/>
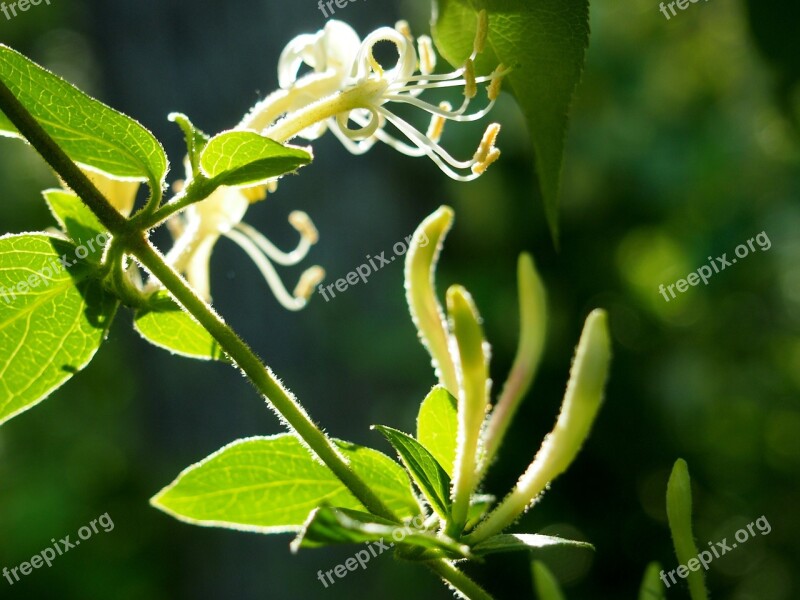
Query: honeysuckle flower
<point x="200" y="227"/>
<point x="348" y="86"/>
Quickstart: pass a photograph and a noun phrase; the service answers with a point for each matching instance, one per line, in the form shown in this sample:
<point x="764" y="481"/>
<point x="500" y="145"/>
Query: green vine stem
<point x="283" y="402"/>
<point x="135" y="242"/>
<point x="459" y="580"/>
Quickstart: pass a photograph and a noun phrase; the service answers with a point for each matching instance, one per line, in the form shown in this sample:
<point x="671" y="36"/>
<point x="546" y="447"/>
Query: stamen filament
<point x="267" y="270"/>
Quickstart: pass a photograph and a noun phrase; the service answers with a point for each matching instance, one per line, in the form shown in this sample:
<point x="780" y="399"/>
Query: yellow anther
<point x="482" y="32"/>
<point x="305" y="227"/>
<point x="427" y="57"/>
<point x="308" y="282"/>
<point x="471" y="87"/>
<point x="255" y="194"/>
<point x="479" y="168"/>
<point x="497" y="82"/>
<point x="405" y="29"/>
<point x="436" y="128"/>
<point x="487" y="143"/>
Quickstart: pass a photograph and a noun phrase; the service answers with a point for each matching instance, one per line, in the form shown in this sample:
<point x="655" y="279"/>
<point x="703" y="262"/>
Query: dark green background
<point x="680" y="148"/>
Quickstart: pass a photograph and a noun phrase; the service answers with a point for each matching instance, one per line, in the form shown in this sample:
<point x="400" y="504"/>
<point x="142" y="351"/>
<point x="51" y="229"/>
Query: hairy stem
<point x="136" y="243"/>
<point x="262" y="378"/>
<point x="459" y="581"/>
<point x="61" y="163"/>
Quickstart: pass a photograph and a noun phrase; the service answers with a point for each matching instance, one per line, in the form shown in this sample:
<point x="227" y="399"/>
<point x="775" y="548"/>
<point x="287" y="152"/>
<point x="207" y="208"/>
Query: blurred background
<point x="683" y="144"/>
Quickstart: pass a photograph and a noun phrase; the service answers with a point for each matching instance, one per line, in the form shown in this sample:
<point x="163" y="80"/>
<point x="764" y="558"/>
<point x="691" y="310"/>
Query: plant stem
<point x="135" y="242"/>
<point x="16" y="112"/>
<point x="457" y="579"/>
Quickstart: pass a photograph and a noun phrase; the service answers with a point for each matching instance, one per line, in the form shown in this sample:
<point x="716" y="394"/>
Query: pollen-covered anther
<point x="497" y="82"/>
<point x="309" y="280"/>
<point x="405" y="29"/>
<point x="436" y="128"/>
<point x="471" y="86"/>
<point x="479" y="168"/>
<point x="427" y="57"/>
<point x="255" y="194"/>
<point x="482" y="32"/>
<point x="304" y="225"/>
<point x="487" y="143"/>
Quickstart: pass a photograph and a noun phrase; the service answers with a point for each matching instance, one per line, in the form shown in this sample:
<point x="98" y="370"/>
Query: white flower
<point x="198" y="229"/>
<point x="348" y="86"/>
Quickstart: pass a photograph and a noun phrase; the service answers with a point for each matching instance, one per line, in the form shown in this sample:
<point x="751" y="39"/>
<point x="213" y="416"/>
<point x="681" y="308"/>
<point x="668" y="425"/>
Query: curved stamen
<point x="450" y="115"/>
<point x="357" y="148"/>
<point x="422" y="141"/>
<point x="286" y="259"/>
<point x="267" y="270"/>
<point x="366" y="130"/>
<point x="435" y="152"/>
<point x="456" y="81"/>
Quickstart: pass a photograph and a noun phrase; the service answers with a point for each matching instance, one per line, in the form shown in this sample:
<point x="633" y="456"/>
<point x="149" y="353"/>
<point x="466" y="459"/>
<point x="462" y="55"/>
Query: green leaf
<point x="327" y="526"/>
<point x="427" y="473"/>
<point x="196" y="140"/>
<point x="545" y="42"/>
<point x="247" y="158"/>
<point x="679" y="514"/>
<point x="652" y="587"/>
<point x="77" y="221"/>
<point x="271" y="484"/>
<point x="52" y="320"/>
<point x="166" y="325"/>
<point x="91" y="133"/>
<point x="545" y="583"/>
<point x="437" y="426"/>
<point x="516" y="542"/>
